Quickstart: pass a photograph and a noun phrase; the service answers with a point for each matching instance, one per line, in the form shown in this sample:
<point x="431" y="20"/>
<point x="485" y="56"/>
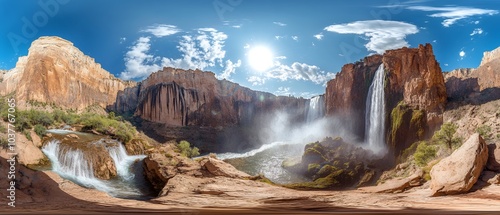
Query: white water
<point x="72" y="164"/>
<point x="375" y="113"/>
<point x="316" y="108"/>
<point x="232" y="155"/>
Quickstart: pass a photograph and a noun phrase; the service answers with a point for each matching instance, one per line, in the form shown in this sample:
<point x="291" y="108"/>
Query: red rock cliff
<point x="54" y="71"/>
<point x="413" y="79"/>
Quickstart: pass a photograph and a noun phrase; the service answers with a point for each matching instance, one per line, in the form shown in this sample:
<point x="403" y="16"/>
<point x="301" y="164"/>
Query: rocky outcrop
<point x="412" y="77"/>
<point x="397" y="185"/>
<point x="490" y="56"/>
<point x="164" y="167"/>
<point x="461" y="170"/>
<point x="56" y="72"/>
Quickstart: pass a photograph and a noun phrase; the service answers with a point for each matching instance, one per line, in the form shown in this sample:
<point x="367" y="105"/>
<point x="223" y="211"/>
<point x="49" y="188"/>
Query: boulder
<point x="397" y="185"/>
<point x="220" y="168"/>
<point x="27" y="151"/>
<point x="461" y="170"/>
<point x="493" y="157"/>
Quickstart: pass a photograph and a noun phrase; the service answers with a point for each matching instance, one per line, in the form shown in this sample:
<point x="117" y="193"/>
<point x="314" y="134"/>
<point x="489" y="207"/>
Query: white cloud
<point x="477" y="31"/>
<point x="462" y="54"/>
<point x="137" y="62"/>
<point x="123" y="39"/>
<point x="236" y="26"/>
<point x="283" y="91"/>
<point x="279" y="37"/>
<point x="200" y="50"/>
<point x="255" y="80"/>
<point x="229" y="70"/>
<point x="162" y="30"/>
<point x="247" y="46"/>
<point x="453" y="14"/>
<point x="281" y="57"/>
<point x="476" y="22"/>
<point x="319" y="36"/>
<point x="279" y="24"/>
<point x="383" y="35"/>
<point x="296" y="38"/>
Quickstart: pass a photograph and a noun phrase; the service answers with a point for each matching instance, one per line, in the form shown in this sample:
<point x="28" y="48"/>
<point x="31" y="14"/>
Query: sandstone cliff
<point x="56" y="72"/>
<point x="476" y="86"/>
<point x="194" y="105"/>
<point x="415" y="93"/>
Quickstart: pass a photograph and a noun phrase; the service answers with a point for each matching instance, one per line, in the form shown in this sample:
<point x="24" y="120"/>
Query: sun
<point x="260" y="58"/>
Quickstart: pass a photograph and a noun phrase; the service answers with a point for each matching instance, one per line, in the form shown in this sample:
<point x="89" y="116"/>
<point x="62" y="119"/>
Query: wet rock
<point x="461" y="170"/>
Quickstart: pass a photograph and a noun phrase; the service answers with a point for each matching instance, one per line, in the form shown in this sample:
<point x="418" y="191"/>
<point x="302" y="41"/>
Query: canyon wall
<point x="475" y="86"/>
<point x="415" y="94"/>
<point x="56" y="72"/>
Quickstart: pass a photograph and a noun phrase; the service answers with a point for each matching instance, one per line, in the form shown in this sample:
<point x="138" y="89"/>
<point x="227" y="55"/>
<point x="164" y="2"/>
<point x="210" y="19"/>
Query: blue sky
<point x="283" y="47"/>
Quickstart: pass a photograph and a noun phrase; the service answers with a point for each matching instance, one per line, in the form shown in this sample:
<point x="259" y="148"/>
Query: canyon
<point x="404" y="90"/>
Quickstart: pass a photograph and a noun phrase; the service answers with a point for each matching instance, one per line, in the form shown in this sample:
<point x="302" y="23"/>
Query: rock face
<point x="56" y="72"/>
<point x="177" y="97"/>
<point x="412" y="77"/>
<point x="461" y="170"/>
<point x="476" y="86"/>
<point x="181" y="104"/>
<point x="493" y="157"/>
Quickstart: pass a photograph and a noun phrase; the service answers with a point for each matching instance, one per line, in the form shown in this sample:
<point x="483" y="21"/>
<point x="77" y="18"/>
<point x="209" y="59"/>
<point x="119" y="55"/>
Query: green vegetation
<point x="4" y="143"/>
<point x="409" y="151"/>
<point x="40" y="130"/>
<point x="424" y="153"/>
<point x="397" y="119"/>
<point x="417" y="120"/>
<point x="484" y="131"/>
<point x="186" y="150"/>
<point x="27" y="133"/>
<point x="446" y="134"/>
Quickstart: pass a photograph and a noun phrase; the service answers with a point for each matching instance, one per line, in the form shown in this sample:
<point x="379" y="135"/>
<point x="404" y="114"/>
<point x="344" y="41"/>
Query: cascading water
<point x="375" y="113"/>
<point x="316" y="108"/>
<point x="73" y="164"/>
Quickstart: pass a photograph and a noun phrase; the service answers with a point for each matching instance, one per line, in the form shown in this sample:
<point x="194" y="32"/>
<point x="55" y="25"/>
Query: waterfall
<point x="316" y="108"/>
<point x="375" y="113"/>
<point x="73" y="164"/>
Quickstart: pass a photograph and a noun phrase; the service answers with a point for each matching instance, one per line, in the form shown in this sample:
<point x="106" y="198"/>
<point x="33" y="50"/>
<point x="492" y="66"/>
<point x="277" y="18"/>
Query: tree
<point x="446" y="134"/>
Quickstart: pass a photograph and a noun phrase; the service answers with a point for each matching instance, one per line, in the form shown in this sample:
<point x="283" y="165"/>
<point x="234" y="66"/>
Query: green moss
<point x="417" y="120"/>
<point x="409" y="151"/>
<point x="312" y="168"/>
<point x="397" y="119"/>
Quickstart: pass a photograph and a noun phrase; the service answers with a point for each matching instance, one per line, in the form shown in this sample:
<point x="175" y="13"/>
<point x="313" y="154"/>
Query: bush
<point x="4" y="143"/>
<point x="27" y="133"/>
<point x="484" y="131"/>
<point x="40" y="130"/>
<point x="40" y="117"/>
<point x="186" y="150"/>
<point x="22" y="122"/>
<point x="446" y="134"/>
<point x="424" y="154"/>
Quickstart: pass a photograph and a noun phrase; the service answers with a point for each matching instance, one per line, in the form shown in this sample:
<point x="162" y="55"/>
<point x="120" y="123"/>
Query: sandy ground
<point x="79" y="200"/>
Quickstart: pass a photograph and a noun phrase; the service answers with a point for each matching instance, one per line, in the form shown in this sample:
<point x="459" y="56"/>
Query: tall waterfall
<point x="375" y="113"/>
<point x="316" y="108"/>
<point x="73" y="164"/>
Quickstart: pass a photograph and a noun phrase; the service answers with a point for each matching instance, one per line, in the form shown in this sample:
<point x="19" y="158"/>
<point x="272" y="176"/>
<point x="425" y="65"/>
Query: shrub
<point x="22" y="122"/>
<point x="27" y="133"/>
<point x="186" y="150"/>
<point x="40" y="117"/>
<point x="446" y="134"/>
<point x="484" y="131"/>
<point x="424" y="153"/>
<point x="40" y="130"/>
<point x="4" y="143"/>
